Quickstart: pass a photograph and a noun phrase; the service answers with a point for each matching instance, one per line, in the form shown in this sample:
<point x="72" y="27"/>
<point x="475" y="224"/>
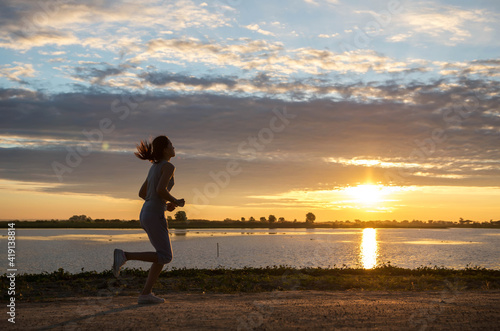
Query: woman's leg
<point x="142" y="256"/>
<point x="153" y="275"/>
<point x="154" y="271"/>
<point x="155" y="226"/>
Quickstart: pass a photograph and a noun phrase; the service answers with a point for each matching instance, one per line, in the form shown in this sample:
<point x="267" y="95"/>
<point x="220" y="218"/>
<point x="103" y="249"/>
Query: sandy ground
<point x="289" y="310"/>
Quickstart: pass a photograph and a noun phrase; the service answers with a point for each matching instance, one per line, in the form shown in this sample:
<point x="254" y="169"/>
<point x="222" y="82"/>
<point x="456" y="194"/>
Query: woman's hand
<point x="171" y="206"/>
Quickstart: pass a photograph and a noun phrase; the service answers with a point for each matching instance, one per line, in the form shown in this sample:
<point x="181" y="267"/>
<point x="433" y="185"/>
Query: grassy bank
<point x="35" y="287"/>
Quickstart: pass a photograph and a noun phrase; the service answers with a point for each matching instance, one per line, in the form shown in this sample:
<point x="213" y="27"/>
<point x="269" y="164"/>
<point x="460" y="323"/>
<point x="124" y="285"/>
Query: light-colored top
<point x="153" y="200"/>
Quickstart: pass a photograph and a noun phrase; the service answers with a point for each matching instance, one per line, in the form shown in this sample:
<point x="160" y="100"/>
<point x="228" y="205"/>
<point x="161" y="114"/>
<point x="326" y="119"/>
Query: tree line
<point x="310" y="218"/>
<point x="180" y="220"/>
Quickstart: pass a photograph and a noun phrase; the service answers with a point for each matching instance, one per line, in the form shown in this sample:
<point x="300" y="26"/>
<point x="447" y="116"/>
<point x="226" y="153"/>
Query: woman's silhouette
<point x="155" y="192"/>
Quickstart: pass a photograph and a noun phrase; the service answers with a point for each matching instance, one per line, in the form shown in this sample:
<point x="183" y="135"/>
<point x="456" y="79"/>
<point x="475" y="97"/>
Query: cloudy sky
<point x="347" y="109"/>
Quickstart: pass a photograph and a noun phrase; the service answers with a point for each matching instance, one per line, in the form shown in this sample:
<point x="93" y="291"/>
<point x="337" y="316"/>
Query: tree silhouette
<point x="251" y="219"/>
<point x="180" y="216"/>
<point x="263" y="219"/>
<point x="272" y="218"/>
<point x="80" y="218"/>
<point x="310" y="218"/>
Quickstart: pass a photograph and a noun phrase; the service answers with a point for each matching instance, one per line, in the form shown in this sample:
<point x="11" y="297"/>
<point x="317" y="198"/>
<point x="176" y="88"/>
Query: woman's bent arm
<point x="167" y="171"/>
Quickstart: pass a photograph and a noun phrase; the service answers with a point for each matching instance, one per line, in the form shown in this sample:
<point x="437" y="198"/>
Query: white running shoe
<point x="118" y="261"/>
<point x="149" y="299"/>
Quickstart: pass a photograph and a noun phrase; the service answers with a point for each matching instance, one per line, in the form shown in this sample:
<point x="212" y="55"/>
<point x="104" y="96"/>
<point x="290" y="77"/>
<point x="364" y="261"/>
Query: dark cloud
<point x="209" y="130"/>
<point x="164" y="78"/>
<point x="97" y="73"/>
<point x="6" y="93"/>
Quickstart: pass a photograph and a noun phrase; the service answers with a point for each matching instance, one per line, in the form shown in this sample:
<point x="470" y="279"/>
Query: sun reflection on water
<point x="369" y="248"/>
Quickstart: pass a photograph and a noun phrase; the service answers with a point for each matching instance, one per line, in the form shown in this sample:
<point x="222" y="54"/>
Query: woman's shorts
<point x="155" y="225"/>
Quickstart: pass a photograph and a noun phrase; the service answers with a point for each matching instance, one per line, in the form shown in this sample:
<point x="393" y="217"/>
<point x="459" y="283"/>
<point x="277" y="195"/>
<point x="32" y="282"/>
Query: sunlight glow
<point x="369" y="248"/>
<point x="369" y="194"/>
<point x="366" y="194"/>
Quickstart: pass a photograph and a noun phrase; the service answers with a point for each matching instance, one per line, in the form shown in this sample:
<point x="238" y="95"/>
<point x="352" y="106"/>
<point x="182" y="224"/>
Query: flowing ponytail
<point x="152" y="151"/>
<point x="144" y="151"/>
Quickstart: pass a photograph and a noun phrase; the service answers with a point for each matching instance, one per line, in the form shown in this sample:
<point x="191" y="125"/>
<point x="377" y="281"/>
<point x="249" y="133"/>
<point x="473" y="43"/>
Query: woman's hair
<point x="152" y="151"/>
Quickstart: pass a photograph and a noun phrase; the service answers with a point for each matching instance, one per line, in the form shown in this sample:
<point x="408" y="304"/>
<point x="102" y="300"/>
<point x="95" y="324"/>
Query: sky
<point x="370" y="110"/>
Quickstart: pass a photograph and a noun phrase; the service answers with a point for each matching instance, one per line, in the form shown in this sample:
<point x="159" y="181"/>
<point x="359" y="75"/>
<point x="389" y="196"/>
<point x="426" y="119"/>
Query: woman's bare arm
<point x="167" y="171"/>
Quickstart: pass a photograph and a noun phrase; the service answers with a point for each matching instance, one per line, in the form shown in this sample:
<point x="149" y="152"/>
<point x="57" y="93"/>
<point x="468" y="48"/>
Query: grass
<point x="36" y="287"/>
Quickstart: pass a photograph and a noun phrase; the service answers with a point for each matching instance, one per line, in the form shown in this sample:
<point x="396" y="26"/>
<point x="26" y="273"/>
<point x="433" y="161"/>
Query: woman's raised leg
<point x="142" y="256"/>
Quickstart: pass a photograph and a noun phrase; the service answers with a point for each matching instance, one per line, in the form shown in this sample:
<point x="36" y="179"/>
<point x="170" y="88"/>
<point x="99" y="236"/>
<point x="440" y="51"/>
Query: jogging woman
<point x="155" y="192"/>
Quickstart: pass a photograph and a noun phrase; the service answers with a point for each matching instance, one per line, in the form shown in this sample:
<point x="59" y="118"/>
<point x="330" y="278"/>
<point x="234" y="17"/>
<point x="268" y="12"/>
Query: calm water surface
<point x="40" y="250"/>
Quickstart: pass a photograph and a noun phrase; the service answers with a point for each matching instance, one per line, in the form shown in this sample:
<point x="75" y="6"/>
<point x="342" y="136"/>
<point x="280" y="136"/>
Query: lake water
<point x="39" y="250"/>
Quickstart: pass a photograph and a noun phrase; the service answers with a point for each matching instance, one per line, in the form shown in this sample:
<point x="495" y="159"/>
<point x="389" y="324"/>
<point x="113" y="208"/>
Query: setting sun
<point x="368" y="194"/>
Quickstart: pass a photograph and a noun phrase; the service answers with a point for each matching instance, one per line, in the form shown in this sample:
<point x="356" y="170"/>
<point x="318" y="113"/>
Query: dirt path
<point x="306" y="310"/>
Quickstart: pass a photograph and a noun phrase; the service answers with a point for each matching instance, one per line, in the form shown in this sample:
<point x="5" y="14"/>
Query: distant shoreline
<point x="196" y="224"/>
